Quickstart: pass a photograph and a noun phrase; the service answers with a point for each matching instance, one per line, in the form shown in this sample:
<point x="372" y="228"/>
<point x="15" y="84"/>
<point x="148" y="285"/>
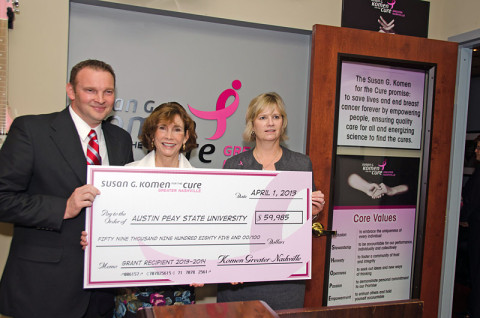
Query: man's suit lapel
<point x="65" y="136"/>
<point x="115" y="156"/>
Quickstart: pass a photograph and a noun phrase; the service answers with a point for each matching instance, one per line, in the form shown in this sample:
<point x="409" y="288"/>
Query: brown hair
<point x="165" y="113"/>
<point x="94" y="64"/>
<point x="477" y="140"/>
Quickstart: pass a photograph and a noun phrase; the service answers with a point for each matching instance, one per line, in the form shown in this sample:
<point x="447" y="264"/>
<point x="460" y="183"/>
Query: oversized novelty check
<point x="154" y="226"/>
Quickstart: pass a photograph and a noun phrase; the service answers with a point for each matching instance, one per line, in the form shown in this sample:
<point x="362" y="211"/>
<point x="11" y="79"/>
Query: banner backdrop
<point x="374" y="215"/>
<point x="406" y="17"/>
<point x="380" y="106"/>
<point x="212" y="69"/>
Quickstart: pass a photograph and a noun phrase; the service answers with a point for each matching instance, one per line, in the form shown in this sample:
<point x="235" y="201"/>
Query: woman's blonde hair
<point x="258" y="105"/>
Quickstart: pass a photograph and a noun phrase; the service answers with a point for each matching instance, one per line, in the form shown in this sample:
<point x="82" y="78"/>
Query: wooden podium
<point x="255" y="308"/>
<point x="412" y="308"/>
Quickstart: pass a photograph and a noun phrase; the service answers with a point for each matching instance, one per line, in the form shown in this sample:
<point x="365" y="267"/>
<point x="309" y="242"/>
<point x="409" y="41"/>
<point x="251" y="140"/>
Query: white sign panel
<point x="371" y="256"/>
<point x="380" y="106"/>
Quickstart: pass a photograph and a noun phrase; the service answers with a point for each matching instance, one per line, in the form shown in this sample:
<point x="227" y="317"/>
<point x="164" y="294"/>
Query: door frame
<point x="466" y="42"/>
<point x="327" y="42"/>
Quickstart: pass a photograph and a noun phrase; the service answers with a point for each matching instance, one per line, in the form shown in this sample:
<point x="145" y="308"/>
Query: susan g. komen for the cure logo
<point x="377" y="169"/>
<point x="222" y="112"/>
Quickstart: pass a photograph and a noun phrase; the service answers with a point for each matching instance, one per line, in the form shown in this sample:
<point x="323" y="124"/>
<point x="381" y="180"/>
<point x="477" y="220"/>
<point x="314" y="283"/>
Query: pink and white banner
<point x="380" y="106"/>
<point x="374" y="213"/>
<point x="371" y="256"/>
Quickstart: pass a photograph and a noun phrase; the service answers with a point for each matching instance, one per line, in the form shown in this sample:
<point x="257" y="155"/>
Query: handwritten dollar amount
<point x="278" y="217"/>
<point x="273" y="217"/>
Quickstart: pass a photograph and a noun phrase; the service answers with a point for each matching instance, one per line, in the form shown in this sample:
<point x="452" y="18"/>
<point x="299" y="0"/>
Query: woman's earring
<point x="183" y="147"/>
<point x="253" y="133"/>
<point x="153" y="144"/>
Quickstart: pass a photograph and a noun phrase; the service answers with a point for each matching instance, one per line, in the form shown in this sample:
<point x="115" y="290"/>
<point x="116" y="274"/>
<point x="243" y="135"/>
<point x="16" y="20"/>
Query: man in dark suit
<point x="43" y="192"/>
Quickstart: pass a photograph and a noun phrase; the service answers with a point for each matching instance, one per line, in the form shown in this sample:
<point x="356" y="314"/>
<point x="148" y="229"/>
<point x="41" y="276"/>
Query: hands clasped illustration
<point x="374" y="190"/>
<point x="386" y="27"/>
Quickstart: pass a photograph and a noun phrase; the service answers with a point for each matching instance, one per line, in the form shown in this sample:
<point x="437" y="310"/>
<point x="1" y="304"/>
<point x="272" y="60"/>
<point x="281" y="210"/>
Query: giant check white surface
<point x="156" y="226"/>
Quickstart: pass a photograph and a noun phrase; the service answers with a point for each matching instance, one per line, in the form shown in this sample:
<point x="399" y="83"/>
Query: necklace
<point x="275" y="157"/>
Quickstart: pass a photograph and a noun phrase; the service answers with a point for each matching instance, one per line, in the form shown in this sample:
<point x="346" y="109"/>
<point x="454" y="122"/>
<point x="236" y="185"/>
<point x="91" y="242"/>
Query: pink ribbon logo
<point x="221" y="113"/>
<point x="383" y="165"/>
<point x="392" y="3"/>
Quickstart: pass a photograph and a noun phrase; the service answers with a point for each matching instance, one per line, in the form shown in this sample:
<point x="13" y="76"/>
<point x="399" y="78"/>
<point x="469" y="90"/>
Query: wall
<point x="194" y="62"/>
<point x="39" y="42"/>
<point x="447" y="18"/>
<point x="38" y="57"/>
<point x="37" y="68"/>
